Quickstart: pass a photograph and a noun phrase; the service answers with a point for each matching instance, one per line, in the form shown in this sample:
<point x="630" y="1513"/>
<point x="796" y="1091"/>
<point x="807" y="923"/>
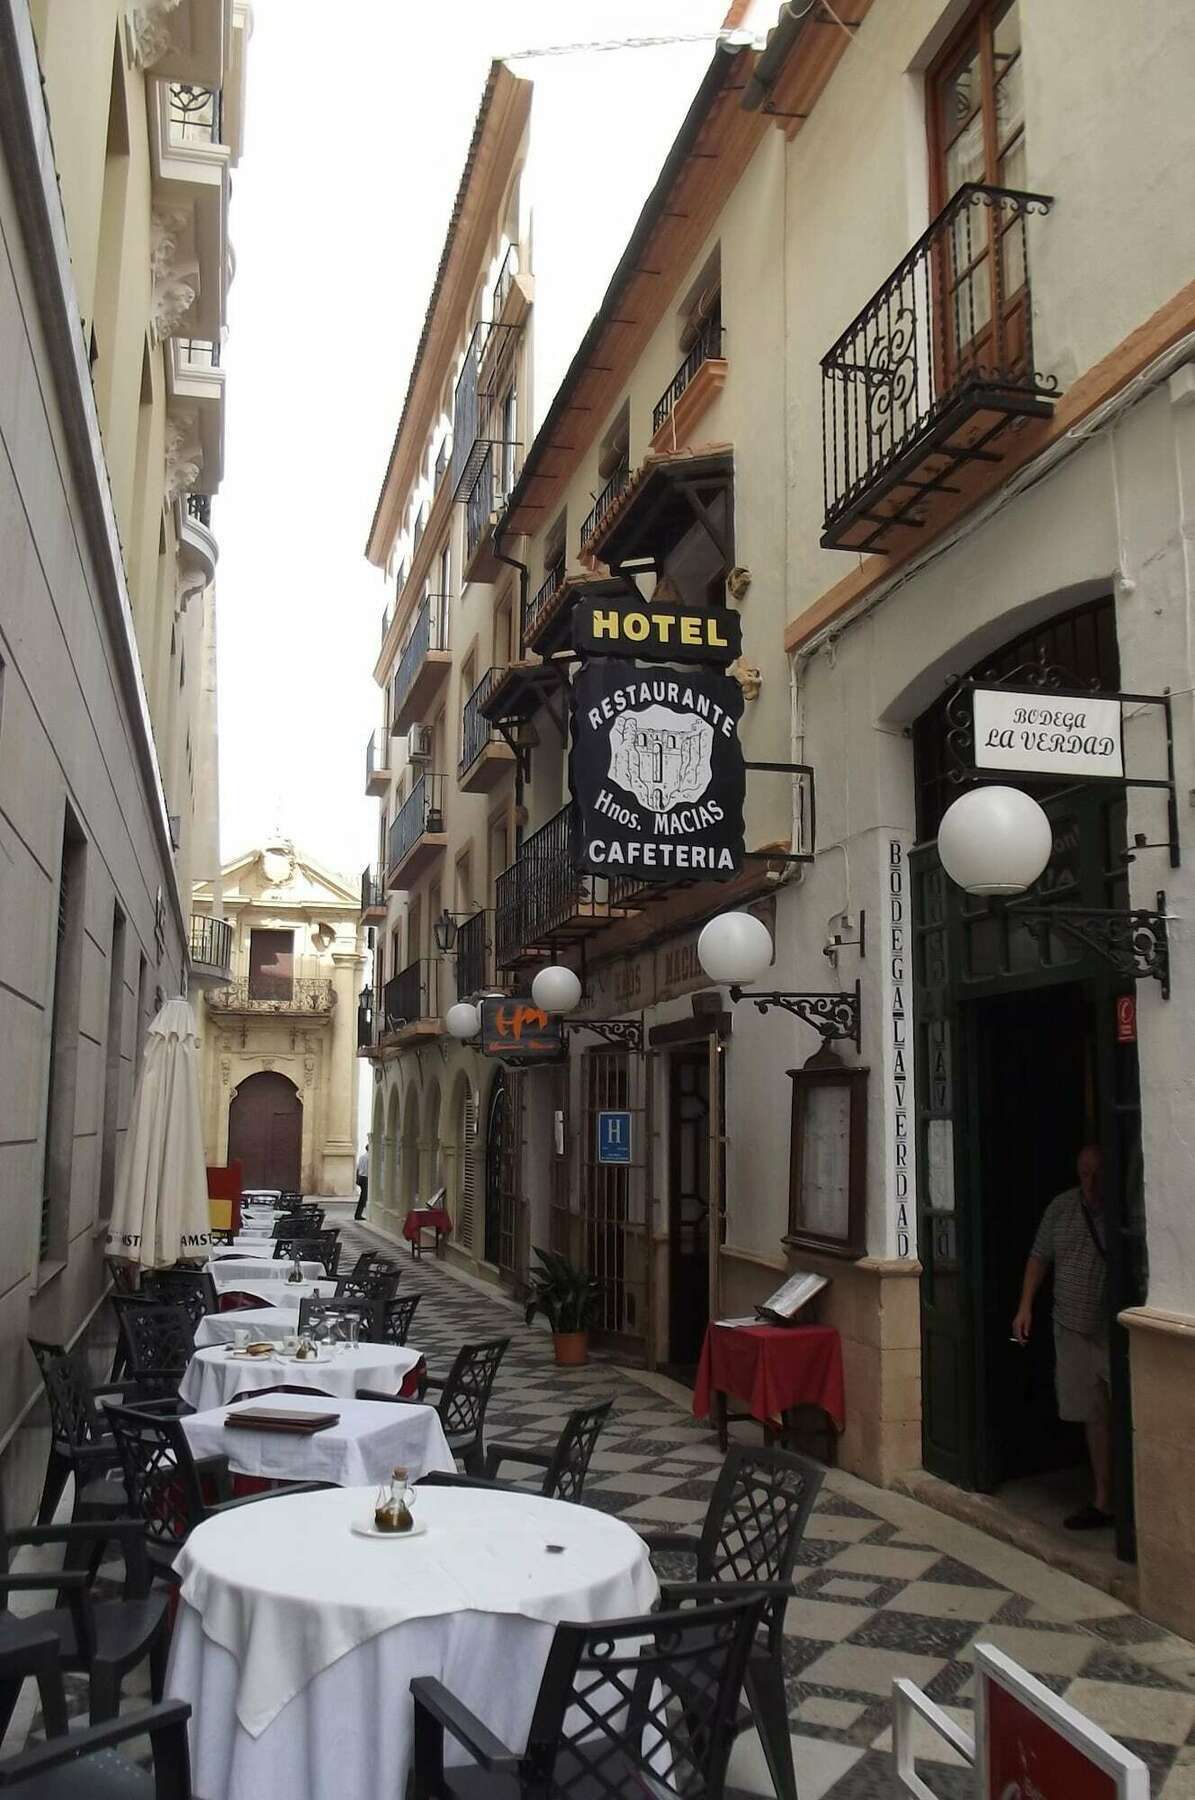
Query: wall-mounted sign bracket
<point x="833" y="1015"/>
<point x="1134" y="942"/>
<point x="626" y="1033"/>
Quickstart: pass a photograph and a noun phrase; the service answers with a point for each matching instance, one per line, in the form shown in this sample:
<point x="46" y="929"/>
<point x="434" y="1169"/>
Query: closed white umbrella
<point x="160" y="1208"/>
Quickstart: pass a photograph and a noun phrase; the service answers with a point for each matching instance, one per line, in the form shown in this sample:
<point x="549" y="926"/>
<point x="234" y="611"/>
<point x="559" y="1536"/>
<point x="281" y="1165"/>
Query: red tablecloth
<point x="428" y="1218"/>
<point x="772" y="1367"/>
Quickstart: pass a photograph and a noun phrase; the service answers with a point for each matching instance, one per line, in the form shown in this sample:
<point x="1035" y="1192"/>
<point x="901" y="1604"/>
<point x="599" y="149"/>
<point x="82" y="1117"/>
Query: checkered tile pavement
<point x="886" y="1585"/>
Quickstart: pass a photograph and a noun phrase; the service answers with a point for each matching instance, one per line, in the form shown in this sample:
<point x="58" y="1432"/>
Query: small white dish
<point x="367" y="1528"/>
<point x="321" y="1356"/>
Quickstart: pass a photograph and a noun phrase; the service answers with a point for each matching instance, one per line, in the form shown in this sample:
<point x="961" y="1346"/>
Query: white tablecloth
<point x="276" y="1294"/>
<point x="273" y="1322"/>
<point x="251" y="1195"/>
<point x="296" y="1641"/>
<point x="370" y="1441"/>
<point x="233" y="1270"/>
<point x="215" y="1375"/>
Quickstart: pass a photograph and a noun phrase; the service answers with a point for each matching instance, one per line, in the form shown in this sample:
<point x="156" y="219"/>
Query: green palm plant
<point x="567" y="1296"/>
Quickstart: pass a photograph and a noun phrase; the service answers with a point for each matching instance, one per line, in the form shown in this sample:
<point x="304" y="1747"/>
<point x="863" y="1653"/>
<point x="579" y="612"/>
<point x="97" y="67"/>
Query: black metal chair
<point x="124" y="1275"/>
<point x="752" y="1532"/>
<point x="393" y="1320"/>
<point x="305" y="1222"/>
<point x="566" y="1466"/>
<point x="86" y="1764"/>
<point x="631" y="1706"/>
<point x="159" y="1342"/>
<point x="193" y="1289"/>
<point x="102" y="1639"/>
<point x="219" y="1235"/>
<point x="362" y="1267"/>
<point x="80" y="1444"/>
<point x="464" y="1396"/>
<point x="164" y="1482"/>
<point x="323" y="1248"/>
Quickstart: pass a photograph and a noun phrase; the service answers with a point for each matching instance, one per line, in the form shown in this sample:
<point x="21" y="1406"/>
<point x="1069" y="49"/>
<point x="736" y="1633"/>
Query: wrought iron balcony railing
<point x="948" y="336"/>
<point x="505" y="281"/>
<point x="542" y="892"/>
<point x="411" y="995"/>
<point x="422" y="811"/>
<point x="308" y="994"/>
<point x="613" y="490"/>
<point x="199" y="507"/>
<point x="429" y="632"/>
<point x="211" y="941"/>
<point x="708" y="345"/>
<point x="541" y="600"/>
<point x="476" y="730"/>
<point x="373" y="894"/>
<point x="496" y="476"/>
<point x="194" y="114"/>
<point x="472" y="957"/>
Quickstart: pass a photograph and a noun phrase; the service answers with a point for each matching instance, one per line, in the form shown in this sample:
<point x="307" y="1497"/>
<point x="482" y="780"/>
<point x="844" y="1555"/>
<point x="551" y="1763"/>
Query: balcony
<point x="189" y="167"/>
<point x="377" y="770"/>
<point x="613" y="491"/>
<point x="547" y="621"/>
<point x="424" y="664"/>
<point x="310" y="997"/>
<point x="923" y="392"/>
<point x="496" y="475"/>
<point x="473" y="972"/>
<point x="692" y="390"/>
<point x="543" y="898"/>
<point x="411" y="1004"/>
<point x="485" y="756"/>
<point x="417" y="835"/>
<point x="373" y="898"/>
<point x="210" y="951"/>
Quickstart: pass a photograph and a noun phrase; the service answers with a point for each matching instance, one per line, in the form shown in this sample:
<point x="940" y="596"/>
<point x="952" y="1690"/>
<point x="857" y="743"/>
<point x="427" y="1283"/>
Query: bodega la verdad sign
<point x="657" y="772"/>
<point x="1042" y="733"/>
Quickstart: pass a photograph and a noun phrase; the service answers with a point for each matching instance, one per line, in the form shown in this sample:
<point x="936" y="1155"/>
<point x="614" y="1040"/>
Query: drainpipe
<point x="524" y="590"/>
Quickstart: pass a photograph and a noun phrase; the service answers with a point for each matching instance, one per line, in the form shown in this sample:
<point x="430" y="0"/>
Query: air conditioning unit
<point x="419" y="744"/>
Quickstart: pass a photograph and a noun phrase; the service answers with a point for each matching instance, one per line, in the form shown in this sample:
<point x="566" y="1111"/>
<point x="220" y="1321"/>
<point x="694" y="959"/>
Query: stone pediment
<point x="277" y="875"/>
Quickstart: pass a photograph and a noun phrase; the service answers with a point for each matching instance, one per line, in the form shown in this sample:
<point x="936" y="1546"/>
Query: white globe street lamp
<point x="463" y="1020"/>
<point x="995" y="840"/>
<point x="735" y="947"/>
<point x="556" y="989"/>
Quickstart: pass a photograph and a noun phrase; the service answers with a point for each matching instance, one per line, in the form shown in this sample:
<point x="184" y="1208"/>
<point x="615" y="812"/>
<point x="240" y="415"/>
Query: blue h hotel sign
<point x="614" y="1137"/>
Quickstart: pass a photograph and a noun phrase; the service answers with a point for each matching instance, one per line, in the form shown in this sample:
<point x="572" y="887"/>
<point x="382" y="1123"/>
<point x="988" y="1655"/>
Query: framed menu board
<point x="828" y="1157"/>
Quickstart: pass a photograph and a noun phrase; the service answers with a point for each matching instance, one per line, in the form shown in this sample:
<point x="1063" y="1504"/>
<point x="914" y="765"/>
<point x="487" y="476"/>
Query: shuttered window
<point x="468" y="1172"/>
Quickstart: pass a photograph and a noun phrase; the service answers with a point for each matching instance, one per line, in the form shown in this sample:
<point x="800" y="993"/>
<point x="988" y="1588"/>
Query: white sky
<point x="359" y="114"/>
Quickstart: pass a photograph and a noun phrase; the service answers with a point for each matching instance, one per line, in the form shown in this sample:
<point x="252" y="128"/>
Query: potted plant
<point x="567" y="1297"/>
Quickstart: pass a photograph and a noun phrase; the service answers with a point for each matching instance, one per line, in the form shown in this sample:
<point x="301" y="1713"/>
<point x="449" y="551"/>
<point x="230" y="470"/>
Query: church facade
<point x="280" y="1069"/>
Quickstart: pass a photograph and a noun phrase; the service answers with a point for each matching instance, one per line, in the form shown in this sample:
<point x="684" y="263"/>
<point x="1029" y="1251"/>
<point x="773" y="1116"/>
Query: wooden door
<point x="265" y="1132"/>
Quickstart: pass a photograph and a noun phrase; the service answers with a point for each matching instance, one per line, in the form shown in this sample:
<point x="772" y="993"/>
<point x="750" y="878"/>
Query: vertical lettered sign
<point x="899" y="1110"/>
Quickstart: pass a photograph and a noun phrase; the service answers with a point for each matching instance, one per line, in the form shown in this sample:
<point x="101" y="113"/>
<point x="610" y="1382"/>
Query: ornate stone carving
<point x="225" y="1070"/>
<point x="184" y="457"/>
<point x="267" y="1062"/>
<point x="149" y="34"/>
<point x="308" y="1071"/>
<point x="748" y="678"/>
<point x="738" y="581"/>
<point x="174" y="273"/>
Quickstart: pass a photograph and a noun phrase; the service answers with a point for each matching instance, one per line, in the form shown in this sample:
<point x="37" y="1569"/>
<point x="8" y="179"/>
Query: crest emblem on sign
<point x="661" y="756"/>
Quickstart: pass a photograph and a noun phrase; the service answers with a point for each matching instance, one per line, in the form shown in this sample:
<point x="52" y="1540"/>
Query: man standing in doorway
<point x="1071" y="1238"/>
<point x="362" y="1181"/>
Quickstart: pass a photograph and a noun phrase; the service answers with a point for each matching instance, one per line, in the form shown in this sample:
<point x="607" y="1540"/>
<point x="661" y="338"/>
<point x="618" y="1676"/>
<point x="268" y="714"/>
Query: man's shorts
<point x="1080" y="1374"/>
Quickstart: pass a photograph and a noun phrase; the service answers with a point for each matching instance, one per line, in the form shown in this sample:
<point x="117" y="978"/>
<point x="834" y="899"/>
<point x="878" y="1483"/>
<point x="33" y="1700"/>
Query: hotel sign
<point x="516" y="1030"/>
<point x="1037" y="732"/>
<point x="657" y="772"/>
<point x="701" y="634"/>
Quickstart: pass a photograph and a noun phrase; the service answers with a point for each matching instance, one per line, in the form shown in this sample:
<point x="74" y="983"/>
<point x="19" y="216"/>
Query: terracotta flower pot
<point x="572" y="1347"/>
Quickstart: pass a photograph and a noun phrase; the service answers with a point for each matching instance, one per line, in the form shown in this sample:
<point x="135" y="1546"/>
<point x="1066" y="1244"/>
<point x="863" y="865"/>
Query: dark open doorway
<point x="688" y="1206"/>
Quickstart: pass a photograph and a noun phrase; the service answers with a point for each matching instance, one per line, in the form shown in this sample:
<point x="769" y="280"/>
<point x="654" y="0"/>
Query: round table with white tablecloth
<point x="233" y="1270"/>
<point x="369" y="1440"/>
<point x="261" y="1322"/>
<point x="216" y="1375"/>
<point x="296" y="1640"/>
<point x="277" y="1293"/>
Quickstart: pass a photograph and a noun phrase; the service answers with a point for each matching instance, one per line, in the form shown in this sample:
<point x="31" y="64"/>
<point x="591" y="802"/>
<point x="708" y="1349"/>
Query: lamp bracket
<point x="834" y="1015"/>
<point x="1133" y="941"/>
<point x="626" y="1032"/>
